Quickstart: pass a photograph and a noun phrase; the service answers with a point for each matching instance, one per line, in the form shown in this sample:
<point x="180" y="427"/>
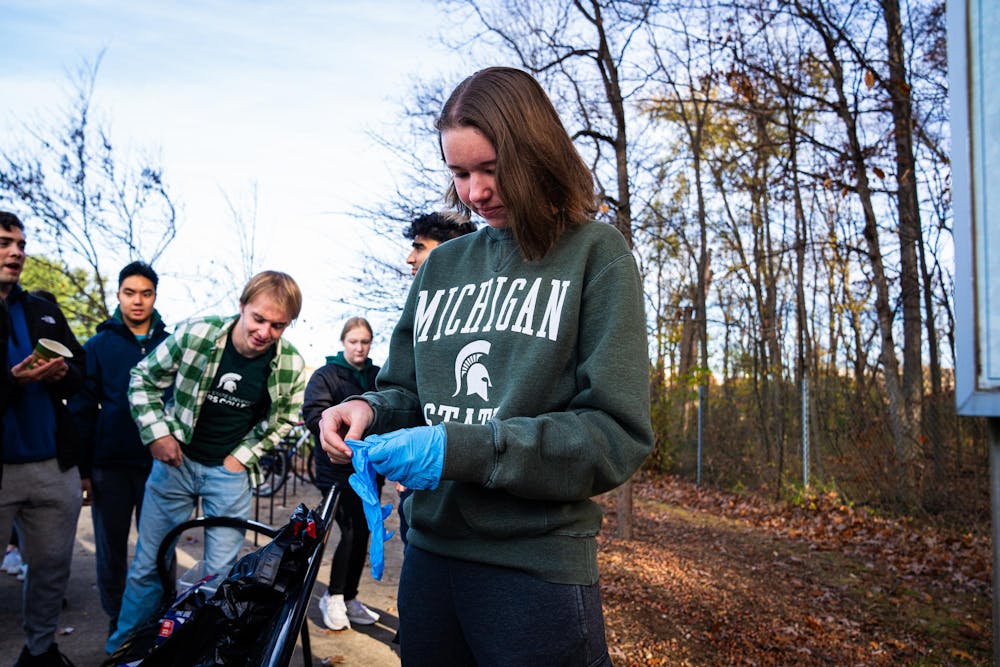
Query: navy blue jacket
<point x="108" y="436"/>
<point x="46" y="320"/>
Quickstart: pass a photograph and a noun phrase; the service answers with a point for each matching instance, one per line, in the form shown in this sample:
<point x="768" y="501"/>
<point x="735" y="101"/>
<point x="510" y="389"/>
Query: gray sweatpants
<point x="44" y="503"/>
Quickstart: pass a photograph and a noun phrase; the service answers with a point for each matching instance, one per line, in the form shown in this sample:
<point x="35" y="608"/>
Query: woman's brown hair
<point x="354" y="323"/>
<point x="544" y="183"/>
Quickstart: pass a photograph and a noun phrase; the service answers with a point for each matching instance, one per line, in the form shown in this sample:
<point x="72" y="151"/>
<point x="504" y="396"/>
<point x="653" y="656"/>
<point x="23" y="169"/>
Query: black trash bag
<point x="160" y="627"/>
<point x="228" y="628"/>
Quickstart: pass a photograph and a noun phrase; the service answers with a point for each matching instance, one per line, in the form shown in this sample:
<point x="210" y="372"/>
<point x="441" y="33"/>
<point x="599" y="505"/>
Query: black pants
<point x="117" y="491"/>
<point x="352" y="550"/>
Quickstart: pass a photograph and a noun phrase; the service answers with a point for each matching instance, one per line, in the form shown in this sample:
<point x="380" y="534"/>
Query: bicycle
<point x="295" y="454"/>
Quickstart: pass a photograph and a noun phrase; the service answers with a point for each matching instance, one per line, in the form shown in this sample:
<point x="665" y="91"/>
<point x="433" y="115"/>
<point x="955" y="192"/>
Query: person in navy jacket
<point x="114" y="463"/>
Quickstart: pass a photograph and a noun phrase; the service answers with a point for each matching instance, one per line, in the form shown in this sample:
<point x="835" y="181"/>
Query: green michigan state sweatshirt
<point x="539" y="371"/>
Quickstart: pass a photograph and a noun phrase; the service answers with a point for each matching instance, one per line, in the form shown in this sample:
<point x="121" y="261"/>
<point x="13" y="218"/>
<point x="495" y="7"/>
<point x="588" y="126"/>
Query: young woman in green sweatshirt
<point x="515" y="390"/>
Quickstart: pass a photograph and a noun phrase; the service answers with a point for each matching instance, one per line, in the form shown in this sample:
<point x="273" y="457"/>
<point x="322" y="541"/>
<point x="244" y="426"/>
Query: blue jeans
<point x="171" y="495"/>
<point x="454" y="612"/>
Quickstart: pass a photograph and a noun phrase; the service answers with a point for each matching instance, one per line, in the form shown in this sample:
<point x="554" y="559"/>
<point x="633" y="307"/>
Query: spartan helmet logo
<point x="468" y="364"/>
<point x="228" y="382"/>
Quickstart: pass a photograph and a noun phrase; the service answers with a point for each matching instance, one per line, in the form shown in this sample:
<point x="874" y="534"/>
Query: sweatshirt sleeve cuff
<point x="471" y="452"/>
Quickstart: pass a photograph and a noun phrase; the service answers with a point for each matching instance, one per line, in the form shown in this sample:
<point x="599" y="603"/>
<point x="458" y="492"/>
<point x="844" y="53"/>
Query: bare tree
<point x="85" y="203"/>
<point x="243" y="216"/>
<point x="379" y="283"/>
<point x="842" y="59"/>
<point x="684" y="58"/>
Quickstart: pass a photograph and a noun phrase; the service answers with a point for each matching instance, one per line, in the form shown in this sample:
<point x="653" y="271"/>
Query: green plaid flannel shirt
<point x="188" y="359"/>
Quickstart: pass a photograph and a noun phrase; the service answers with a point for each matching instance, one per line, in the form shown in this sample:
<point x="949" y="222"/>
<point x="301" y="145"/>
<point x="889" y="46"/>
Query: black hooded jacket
<point x="329" y="385"/>
<point x="46" y="320"/>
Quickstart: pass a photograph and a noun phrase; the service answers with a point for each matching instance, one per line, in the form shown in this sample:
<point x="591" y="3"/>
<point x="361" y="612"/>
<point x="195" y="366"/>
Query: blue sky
<point x="233" y="95"/>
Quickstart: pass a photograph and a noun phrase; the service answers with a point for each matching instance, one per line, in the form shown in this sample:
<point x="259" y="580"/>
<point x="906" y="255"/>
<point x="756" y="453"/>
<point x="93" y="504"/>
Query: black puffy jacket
<point x="329" y="385"/>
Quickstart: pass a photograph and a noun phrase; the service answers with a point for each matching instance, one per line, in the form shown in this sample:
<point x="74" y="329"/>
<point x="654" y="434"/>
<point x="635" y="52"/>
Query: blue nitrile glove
<point x="413" y="457"/>
<point x="363" y="483"/>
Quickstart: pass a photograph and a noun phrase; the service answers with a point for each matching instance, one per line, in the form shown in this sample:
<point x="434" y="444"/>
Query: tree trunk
<point x="908" y="231"/>
<point x="623" y="215"/>
<point x="897" y="411"/>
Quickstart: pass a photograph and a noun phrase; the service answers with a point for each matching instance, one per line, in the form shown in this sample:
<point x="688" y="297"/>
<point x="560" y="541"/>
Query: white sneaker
<point x="334" y="611"/>
<point x="358" y="613"/>
<point x="11" y="562"/>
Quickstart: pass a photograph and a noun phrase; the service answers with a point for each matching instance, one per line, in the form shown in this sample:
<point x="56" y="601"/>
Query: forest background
<point x="781" y="169"/>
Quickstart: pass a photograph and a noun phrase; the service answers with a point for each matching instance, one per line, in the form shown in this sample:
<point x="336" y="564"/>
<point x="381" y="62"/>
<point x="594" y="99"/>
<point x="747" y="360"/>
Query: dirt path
<point x="719" y="579"/>
<point x="84" y="626"/>
<point x="711" y="579"/>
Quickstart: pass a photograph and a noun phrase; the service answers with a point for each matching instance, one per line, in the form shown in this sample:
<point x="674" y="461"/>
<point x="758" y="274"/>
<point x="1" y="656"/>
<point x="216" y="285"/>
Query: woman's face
<point x="472" y="160"/>
<point x="357" y="345"/>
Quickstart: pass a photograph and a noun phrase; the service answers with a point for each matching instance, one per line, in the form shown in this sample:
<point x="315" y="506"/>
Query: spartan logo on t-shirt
<point x="470" y="368"/>
<point x="225" y="390"/>
<point x="228" y="382"/>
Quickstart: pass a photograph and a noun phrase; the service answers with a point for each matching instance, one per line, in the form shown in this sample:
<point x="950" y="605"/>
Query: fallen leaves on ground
<point x="716" y="578"/>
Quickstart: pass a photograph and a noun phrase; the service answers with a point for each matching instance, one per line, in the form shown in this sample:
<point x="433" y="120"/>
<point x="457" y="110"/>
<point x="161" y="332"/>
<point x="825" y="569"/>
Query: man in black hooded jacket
<point x="41" y="485"/>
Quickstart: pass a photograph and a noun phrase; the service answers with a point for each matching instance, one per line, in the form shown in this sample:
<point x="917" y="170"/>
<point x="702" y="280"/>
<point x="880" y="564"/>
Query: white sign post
<point x="974" y="69"/>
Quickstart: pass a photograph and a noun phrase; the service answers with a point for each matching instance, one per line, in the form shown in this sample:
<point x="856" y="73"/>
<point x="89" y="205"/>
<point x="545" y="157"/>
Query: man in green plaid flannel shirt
<point x="237" y="391"/>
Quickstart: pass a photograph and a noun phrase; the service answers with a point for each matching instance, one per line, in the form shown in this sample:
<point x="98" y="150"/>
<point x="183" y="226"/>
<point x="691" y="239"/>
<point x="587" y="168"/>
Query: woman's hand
<point x="413" y="457"/>
<point x="344" y="421"/>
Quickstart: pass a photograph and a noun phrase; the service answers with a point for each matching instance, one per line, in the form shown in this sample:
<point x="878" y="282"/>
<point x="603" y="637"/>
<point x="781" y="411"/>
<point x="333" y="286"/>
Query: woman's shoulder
<point x="601" y="232"/>
<point x="332" y="368"/>
<point x="600" y="242"/>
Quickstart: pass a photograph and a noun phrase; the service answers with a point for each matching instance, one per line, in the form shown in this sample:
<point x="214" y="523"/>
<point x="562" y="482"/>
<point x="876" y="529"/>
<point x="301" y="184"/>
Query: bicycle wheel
<point x="274" y="466"/>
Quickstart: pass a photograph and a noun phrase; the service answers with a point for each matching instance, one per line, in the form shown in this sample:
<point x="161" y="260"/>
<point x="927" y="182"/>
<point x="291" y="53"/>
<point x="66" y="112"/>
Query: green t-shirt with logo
<point x="236" y="401"/>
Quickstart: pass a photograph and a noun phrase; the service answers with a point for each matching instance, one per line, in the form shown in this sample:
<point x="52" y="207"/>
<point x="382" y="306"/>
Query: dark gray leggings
<point x="455" y="612"/>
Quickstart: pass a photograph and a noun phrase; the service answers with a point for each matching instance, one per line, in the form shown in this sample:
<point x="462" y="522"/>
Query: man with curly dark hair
<point x="431" y="230"/>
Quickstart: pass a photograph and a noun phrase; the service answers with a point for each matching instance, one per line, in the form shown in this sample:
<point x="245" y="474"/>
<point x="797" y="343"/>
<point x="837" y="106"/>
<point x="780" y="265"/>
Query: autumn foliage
<point x="717" y="578"/>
